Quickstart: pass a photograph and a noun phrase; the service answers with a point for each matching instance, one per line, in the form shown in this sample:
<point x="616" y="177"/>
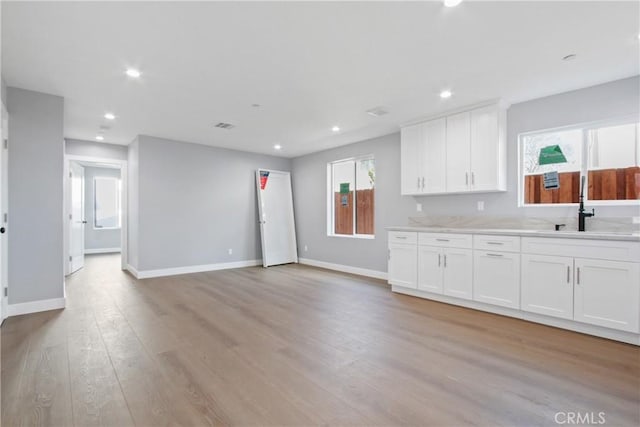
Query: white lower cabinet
<point x="457" y="270"/>
<point x="403" y="265"/>
<point x="547" y="285"/>
<point x="607" y="293"/>
<point x="496" y="278"/>
<point x="430" y="269"/>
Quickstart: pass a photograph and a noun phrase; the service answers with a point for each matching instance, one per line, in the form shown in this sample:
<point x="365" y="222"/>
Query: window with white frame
<point x="106" y="203"/>
<point x="606" y="154"/>
<point x="351" y="201"/>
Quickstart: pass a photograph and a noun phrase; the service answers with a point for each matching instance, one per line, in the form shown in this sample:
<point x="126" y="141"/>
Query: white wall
<point x="194" y="202"/>
<point x="35" y="234"/>
<point x="79" y="147"/>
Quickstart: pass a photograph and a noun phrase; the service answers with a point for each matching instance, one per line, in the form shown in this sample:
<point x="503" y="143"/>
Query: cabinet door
<point x="496" y="278"/>
<point x="435" y="156"/>
<point x="607" y="293"/>
<point x="457" y="268"/>
<point x="410" y="152"/>
<point x="547" y="285"/>
<point x="458" y="152"/>
<point x="485" y="149"/>
<point x="430" y="269"/>
<point x="403" y="268"/>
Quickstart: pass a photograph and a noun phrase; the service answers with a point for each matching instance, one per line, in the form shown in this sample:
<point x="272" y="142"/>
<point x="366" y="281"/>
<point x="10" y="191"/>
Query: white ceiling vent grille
<point x="223" y="125"/>
<point x="377" y="112"/>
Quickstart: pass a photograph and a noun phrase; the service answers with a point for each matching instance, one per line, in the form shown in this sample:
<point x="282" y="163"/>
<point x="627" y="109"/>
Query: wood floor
<point x="293" y="345"/>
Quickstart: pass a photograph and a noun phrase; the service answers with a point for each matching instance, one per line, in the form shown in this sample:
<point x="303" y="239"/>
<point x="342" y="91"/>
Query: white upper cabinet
<point x="459" y="153"/>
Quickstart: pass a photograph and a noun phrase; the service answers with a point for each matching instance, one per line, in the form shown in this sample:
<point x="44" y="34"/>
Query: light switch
<point x="418" y="207"/>
<point x="481" y="205"/>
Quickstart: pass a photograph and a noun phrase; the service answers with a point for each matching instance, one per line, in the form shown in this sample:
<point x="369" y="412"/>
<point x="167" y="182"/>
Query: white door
<point x="430" y="269"/>
<point x="607" y="293"/>
<point x="3" y="209"/>
<point x="547" y="285"/>
<point x="458" y="154"/>
<point x="277" y="226"/>
<point x="496" y="278"/>
<point x="76" y="218"/>
<point x="402" y="265"/>
<point x="484" y="149"/>
<point x="458" y="272"/>
<point x="434" y="136"/>
<point x="410" y="151"/>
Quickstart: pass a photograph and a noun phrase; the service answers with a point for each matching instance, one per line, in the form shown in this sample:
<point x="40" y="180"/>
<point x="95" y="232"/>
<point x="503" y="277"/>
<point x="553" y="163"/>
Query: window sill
<point x="106" y="228"/>
<point x="354" y="236"/>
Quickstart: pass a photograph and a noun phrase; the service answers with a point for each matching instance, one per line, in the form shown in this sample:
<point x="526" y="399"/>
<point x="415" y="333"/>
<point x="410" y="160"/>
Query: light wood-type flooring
<point x="294" y="345"/>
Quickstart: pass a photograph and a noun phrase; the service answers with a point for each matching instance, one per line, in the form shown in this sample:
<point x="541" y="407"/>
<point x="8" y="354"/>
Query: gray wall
<point x="35" y="196"/>
<point x="3" y="92"/>
<point x="95" y="149"/>
<point x="96" y="238"/>
<point x="195" y="202"/>
<point x="310" y="201"/>
<point x="614" y="99"/>
<point x="609" y="100"/>
<point x="133" y="192"/>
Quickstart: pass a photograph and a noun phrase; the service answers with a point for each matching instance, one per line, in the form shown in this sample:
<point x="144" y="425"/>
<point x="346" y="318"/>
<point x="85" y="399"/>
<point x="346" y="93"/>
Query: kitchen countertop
<point x="569" y="234"/>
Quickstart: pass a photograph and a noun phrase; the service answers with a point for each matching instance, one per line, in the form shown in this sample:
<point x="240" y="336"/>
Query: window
<point x="352" y="197"/>
<point x="552" y="164"/>
<point x="106" y="203"/>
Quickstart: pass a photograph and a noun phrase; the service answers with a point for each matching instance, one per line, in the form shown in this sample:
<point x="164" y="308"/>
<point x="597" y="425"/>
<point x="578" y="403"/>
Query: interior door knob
<point x="2" y="230"/>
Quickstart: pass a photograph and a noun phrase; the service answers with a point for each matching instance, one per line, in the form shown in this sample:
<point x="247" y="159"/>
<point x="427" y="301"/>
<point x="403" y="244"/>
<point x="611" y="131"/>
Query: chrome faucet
<point x="581" y="213"/>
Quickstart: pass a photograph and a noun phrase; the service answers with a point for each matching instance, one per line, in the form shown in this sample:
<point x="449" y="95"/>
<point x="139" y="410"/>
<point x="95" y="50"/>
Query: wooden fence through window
<point x="343" y="214"/>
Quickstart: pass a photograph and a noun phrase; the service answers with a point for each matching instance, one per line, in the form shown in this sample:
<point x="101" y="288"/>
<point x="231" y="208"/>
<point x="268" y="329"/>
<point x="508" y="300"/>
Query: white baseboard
<point x="147" y="274"/>
<point x="101" y="251"/>
<point x="35" y="306"/>
<point x="133" y="271"/>
<point x="344" y="268"/>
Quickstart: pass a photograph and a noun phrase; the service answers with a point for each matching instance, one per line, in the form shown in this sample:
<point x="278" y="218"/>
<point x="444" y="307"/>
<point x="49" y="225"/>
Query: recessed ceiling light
<point x="335" y="129"/>
<point x="452" y="3"/>
<point x="569" y="57"/>
<point x="132" y="72"/>
<point x="445" y="94"/>
<point x="110" y="116"/>
<point x="99" y="138"/>
<point x="277" y="147"/>
<point x="638" y="36"/>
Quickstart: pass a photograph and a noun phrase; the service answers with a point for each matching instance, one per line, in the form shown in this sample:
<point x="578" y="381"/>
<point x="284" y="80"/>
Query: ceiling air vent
<point x="223" y="125"/>
<point x="377" y="112"/>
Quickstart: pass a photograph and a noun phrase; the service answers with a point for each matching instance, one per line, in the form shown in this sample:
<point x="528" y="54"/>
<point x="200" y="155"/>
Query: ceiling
<point x="310" y="65"/>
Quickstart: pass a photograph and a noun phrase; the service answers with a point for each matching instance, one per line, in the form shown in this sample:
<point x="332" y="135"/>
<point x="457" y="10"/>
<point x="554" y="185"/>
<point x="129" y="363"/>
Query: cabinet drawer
<point x="406" y="237"/>
<point x="445" y="240"/>
<point x="582" y="248"/>
<point x="496" y="243"/>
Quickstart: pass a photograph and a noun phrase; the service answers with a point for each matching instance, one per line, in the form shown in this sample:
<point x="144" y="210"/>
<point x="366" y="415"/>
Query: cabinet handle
<point x="389" y="254"/>
<point x="578" y="279"/>
<point x="442" y="240"/>
<point x="466" y="178"/>
<point x="495" y="255"/>
<point x="423" y="183"/>
<point x="473" y="178"/>
<point x="495" y="243"/>
<point x="568" y="273"/>
<point x="401" y="237"/>
<point x="418" y="183"/>
<point x="445" y="261"/>
<point x="439" y="260"/>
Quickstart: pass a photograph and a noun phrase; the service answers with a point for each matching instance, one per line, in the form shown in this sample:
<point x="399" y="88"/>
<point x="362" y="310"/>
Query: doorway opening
<point x="95" y="210"/>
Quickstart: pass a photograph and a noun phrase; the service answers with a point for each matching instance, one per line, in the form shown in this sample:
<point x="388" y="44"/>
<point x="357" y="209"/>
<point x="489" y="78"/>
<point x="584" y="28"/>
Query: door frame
<point x="4" y="221"/>
<point x="124" y="229"/>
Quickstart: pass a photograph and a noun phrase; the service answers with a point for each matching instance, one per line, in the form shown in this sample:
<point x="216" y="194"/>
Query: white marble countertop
<point x="570" y="234"/>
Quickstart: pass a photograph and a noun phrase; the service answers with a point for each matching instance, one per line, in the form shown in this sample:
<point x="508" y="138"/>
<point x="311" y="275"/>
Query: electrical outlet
<point x="230" y="251"/>
<point x="481" y="205"/>
<point x="306" y="248"/>
<point x="418" y="207"/>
